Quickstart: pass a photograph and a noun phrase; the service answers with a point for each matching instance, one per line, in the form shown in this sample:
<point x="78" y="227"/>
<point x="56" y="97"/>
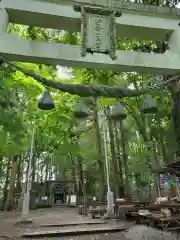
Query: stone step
<point x="74" y="231"/>
<point x="72" y="224"/>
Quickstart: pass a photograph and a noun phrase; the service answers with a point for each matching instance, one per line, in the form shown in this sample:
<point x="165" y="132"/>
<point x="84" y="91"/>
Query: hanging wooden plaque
<point x="98" y="36"/>
<point x="98" y="29"/>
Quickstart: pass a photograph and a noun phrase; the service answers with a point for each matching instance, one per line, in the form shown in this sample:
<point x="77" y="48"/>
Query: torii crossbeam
<point x="137" y="21"/>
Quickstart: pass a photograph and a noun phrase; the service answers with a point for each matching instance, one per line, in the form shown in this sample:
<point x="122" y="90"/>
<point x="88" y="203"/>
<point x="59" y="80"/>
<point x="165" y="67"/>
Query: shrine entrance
<point x="58" y="191"/>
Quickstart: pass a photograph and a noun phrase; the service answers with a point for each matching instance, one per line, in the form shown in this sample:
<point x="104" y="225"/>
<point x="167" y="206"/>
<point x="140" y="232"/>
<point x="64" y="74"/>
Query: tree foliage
<point x="57" y="148"/>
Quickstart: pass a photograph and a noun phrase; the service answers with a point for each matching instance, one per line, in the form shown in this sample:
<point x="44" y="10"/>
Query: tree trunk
<point x="24" y="183"/>
<point x="100" y="156"/>
<point x="46" y="170"/>
<point x="19" y="174"/>
<point x="73" y="177"/>
<point x="8" y="169"/>
<point x="125" y="163"/>
<point x="163" y="147"/>
<point x="10" y="197"/>
<point x="73" y="174"/>
<point x="154" y="150"/>
<point x="138" y="181"/>
<point x="114" y="161"/>
<point x="120" y="167"/>
<point x="176" y="118"/>
<point x="78" y="187"/>
<point x="34" y="158"/>
<point x="50" y="168"/>
<point x="42" y="175"/>
<point x="81" y="179"/>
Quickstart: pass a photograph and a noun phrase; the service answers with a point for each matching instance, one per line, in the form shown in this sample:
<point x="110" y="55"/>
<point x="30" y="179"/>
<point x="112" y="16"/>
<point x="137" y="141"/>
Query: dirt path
<point x="112" y="236"/>
<point x="45" y="217"/>
<point x="9" y="230"/>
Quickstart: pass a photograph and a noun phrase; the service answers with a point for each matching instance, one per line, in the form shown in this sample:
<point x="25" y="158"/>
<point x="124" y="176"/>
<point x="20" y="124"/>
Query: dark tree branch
<point x="90" y="90"/>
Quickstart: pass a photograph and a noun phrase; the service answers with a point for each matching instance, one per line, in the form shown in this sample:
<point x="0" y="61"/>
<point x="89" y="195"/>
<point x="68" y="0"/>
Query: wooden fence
<point x="81" y="200"/>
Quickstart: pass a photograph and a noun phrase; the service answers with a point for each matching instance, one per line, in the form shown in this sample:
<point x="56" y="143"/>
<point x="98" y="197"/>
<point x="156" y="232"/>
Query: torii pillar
<point x="4" y="21"/>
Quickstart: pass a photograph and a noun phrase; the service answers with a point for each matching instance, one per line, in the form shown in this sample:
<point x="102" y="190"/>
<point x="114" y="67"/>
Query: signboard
<point x="98" y="35"/>
<point x="98" y="30"/>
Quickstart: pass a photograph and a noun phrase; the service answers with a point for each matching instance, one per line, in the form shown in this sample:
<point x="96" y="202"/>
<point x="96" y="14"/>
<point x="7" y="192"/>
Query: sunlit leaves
<point x="19" y="111"/>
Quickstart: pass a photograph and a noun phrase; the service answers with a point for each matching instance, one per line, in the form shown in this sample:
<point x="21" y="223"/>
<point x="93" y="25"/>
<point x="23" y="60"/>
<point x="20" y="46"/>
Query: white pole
<point x="110" y="197"/>
<point x="25" y="208"/>
<point x="106" y="156"/>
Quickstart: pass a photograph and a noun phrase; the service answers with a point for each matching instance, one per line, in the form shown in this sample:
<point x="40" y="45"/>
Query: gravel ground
<point x="62" y="215"/>
<point x="135" y="233"/>
<point x="142" y="232"/>
<point x="111" y="236"/>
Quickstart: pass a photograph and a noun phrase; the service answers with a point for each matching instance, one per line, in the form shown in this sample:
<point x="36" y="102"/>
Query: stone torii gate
<point x="102" y="22"/>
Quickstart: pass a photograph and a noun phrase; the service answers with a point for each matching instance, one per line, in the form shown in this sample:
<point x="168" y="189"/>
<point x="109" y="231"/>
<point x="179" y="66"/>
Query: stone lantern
<point x="81" y="111"/>
<point x="149" y="105"/>
<point x="46" y="102"/>
<point x="118" y="112"/>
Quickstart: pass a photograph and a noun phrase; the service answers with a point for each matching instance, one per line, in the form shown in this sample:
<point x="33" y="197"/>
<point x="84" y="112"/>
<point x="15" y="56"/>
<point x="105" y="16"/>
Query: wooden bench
<point x="123" y="210"/>
<point x="142" y="203"/>
<point x="126" y="210"/>
<point x="159" y="221"/>
<point x="97" y="211"/>
<point x="165" y="223"/>
<point x="142" y="219"/>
